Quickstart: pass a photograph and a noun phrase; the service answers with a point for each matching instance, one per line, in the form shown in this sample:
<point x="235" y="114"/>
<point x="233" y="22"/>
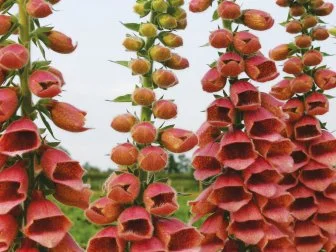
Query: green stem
<point x="24" y="20"/>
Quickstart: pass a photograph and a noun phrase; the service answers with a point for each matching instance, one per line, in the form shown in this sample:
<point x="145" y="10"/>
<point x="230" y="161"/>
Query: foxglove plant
<point x="304" y="89"/>
<point x="31" y="167"/>
<point x="137" y="207"/>
<point x="244" y="156"/>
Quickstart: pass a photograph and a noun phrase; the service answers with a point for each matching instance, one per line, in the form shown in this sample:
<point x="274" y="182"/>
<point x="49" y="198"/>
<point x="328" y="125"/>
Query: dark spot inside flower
<point x="162" y="199"/>
<point x="307" y="131"/>
<point x="104" y="244"/>
<point x="68" y="171"/>
<point x="248" y="97"/>
<point x="221" y="114"/>
<point x="237" y="151"/>
<point x="323" y="148"/>
<point x="139" y="227"/>
<point x="8" y="191"/>
<point x="17" y="141"/>
<point x="299" y="157"/>
<point x="184" y="239"/>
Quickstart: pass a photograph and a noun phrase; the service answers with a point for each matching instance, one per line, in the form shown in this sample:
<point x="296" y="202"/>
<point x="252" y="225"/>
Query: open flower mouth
<point x="317" y="104"/>
<point x="309" y="241"/>
<point x="212" y="239"/>
<point x="237" y="151"/>
<point x="265" y="177"/>
<point x="266" y="69"/>
<point x="9" y="191"/>
<point x="265" y="127"/>
<point x="206" y="162"/>
<point x="299" y="157"/>
<point x="68" y="171"/>
<point x="307" y="131"/>
<point x="230" y="194"/>
<point x="248" y="98"/>
<point x="48" y="225"/>
<point x="323" y="148"/>
<point x="163" y="199"/>
<point x="219" y="114"/>
<point x="318" y="179"/>
<point x="183" y="239"/>
<point x="139" y="227"/>
<point x="47" y="84"/>
<point x="97" y="210"/>
<point x="303" y="206"/>
<point x="17" y="141"/>
<point x="104" y="244"/>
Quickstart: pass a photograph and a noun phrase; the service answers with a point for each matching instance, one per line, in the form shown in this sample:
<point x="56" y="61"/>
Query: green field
<point x="82" y="230"/>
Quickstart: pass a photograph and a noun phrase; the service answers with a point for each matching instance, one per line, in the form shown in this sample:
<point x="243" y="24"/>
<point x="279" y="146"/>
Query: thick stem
<point x="24" y="20"/>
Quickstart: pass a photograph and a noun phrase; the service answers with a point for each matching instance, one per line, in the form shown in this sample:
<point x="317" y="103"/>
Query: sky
<point x="91" y="78"/>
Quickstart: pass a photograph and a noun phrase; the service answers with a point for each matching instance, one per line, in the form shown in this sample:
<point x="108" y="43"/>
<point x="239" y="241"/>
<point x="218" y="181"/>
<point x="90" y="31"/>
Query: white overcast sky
<point x="91" y="78"/>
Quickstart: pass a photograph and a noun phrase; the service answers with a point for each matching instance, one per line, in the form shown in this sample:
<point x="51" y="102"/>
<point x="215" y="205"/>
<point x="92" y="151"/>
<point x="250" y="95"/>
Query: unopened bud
<point x="148" y="30"/>
<point x="133" y="43"/>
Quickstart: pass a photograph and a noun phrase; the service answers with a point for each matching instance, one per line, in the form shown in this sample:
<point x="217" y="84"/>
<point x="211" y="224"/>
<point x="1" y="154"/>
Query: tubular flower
<point x="44" y="84"/>
<point x="152" y="159"/>
<point x="68" y="117"/>
<point x="229" y="10"/>
<point x="323" y="149"/>
<point x="135" y="224"/>
<point x="280" y="52"/>
<point x="13" y="187"/>
<point x="46" y="224"/>
<point x="20" y="137"/>
<point x="123" y="188"/>
<point x="230" y="65"/>
<point x="246" y="43"/>
<point x="71" y="197"/>
<point x="257" y="20"/>
<point x="213" y="81"/>
<point x="9" y="103"/>
<point x="38" y="8"/>
<point x="151" y="245"/>
<point x="261" y="69"/>
<point x="325" y="79"/>
<point x="220" y="38"/>
<point x="60" y="42"/>
<point x="221" y="113"/>
<point x="282" y="90"/>
<point x="160" y="199"/>
<point x="307" y="128"/>
<point x="245" y="96"/>
<point x="199" y="5"/>
<point x="106" y="240"/>
<point x="294" y="108"/>
<point x="293" y="65"/>
<point x="207" y="134"/>
<point x="67" y="244"/>
<point x="316" y="104"/>
<point x="9" y="230"/>
<point x="178" y="140"/>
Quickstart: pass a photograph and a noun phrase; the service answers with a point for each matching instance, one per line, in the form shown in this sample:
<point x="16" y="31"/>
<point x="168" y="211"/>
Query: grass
<point x="82" y="229"/>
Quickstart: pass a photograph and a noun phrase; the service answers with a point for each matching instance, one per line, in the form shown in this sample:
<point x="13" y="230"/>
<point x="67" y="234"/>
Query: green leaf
<point x="44" y="120"/>
<point x="121" y="62"/>
<point x="132" y="26"/>
<point x="205" y="45"/>
<point x="123" y="98"/>
<point x="218" y="96"/>
<point x="167" y="127"/>
<point x="54" y="144"/>
<point x="329" y="96"/>
<point x="215" y="15"/>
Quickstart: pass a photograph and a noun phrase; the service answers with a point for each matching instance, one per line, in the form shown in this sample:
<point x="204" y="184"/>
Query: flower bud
<point x="164" y="109"/>
<point x="38" y="8"/>
<point x="176" y="3"/>
<point x="159" y="53"/>
<point x="60" y="43"/>
<point x="160" y="199"/>
<point x="303" y="41"/>
<point x="177" y="62"/>
<point x="213" y="81"/>
<point x="228" y="10"/>
<point x="261" y="69"/>
<point x="320" y="33"/>
<point x="44" y="84"/>
<point x="140" y="66"/>
<point x="68" y="117"/>
<point x="297" y="10"/>
<point x="140" y="9"/>
<point x="279" y="53"/>
<point x="182" y="24"/>
<point x="230" y="64"/>
<point x="124" y="154"/>
<point x="294" y="108"/>
<point x="13" y="57"/>
<point x="302" y="84"/>
<point x="9" y="103"/>
<point x="178" y="140"/>
<point x="282" y="3"/>
<point x="148" y="30"/>
<point x="282" y="90"/>
<point x="5" y="24"/>
<point x="246" y="43"/>
<point x="325" y="79"/>
<point x="220" y="38"/>
<point x="167" y="21"/>
<point x="293" y="65"/>
<point x="294" y="27"/>
<point x="152" y="159"/>
<point x="164" y="78"/>
<point x="143" y="96"/>
<point x="324" y="10"/>
<point x="316" y="3"/>
<point x="312" y="58"/>
<point x="172" y="40"/>
<point x="199" y="5"/>
<point x="144" y="133"/>
<point x="133" y="43"/>
<point x="123" y="123"/>
<point x="309" y="22"/>
<point x="257" y="20"/>
<point x="332" y="31"/>
<point x="159" y="6"/>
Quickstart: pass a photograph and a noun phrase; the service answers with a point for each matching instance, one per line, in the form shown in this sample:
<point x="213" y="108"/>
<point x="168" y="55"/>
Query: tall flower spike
<point x="134" y="190"/>
<point x="30" y="165"/>
<point x="245" y="157"/>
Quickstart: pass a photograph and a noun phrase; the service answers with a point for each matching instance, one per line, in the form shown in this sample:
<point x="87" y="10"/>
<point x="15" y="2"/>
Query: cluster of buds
<point x="137" y="207"/>
<point x="32" y="168"/>
<point x="245" y="157"/>
<point x="313" y="205"/>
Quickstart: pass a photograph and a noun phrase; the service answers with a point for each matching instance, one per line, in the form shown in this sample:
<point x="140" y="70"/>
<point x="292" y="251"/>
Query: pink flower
<point x="8" y="231"/>
<point x="71" y="197"/>
<point x="230" y="64"/>
<point x="124" y="154"/>
<point x="245" y="96"/>
<point x="307" y="128"/>
<point x="106" y="240"/>
<point x="20" y="137"/>
<point x="8" y="103"/>
<point x="316" y="104"/>
<point x="261" y="69"/>
<point x="178" y="140"/>
<point x="207" y="134"/>
<point x="151" y="245"/>
<point x="213" y="81"/>
<point x="246" y="43"/>
<point x="67" y="244"/>
<point x="152" y="159"/>
<point x="221" y="113"/>
<point x="44" y="84"/>
<point x="38" y="8"/>
<point x="13" y="57"/>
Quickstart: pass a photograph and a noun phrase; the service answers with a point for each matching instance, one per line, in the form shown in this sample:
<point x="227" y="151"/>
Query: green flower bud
<point x="159" y="6"/>
<point x="332" y="31"/>
<point x="133" y="43"/>
<point x="172" y="40"/>
<point x="179" y="14"/>
<point x="176" y="3"/>
<point x="182" y="24"/>
<point x="148" y="30"/>
<point x="159" y="53"/>
<point x="167" y="21"/>
<point x="140" y="9"/>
